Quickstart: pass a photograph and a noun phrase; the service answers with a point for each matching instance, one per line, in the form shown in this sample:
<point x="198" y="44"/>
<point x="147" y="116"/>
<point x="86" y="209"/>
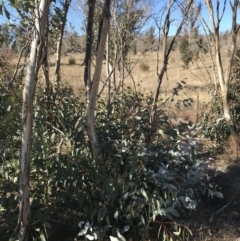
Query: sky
<point x="76" y="19"/>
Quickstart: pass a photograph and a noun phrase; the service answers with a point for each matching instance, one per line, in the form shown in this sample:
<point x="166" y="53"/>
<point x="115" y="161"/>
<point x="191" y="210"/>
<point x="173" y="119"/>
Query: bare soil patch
<point x="219" y="219"/>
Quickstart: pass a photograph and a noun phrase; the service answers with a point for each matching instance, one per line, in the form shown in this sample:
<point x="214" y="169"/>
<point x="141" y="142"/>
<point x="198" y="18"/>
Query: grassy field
<point x="195" y="76"/>
<point x="199" y="76"/>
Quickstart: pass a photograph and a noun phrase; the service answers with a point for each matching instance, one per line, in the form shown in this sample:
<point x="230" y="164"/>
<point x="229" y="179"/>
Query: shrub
<point x="186" y="53"/>
<point x="71" y="61"/>
<point x="147" y="183"/>
<point x="134" y="48"/>
<point x="144" y="67"/>
<point x="172" y="60"/>
<point x="214" y="125"/>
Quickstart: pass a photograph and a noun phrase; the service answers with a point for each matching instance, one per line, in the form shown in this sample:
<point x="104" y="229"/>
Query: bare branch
<point x="18" y="62"/>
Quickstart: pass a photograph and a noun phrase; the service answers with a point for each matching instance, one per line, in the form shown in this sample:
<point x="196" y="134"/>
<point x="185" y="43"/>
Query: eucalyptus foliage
<point x="214" y="125"/>
<point x="144" y="189"/>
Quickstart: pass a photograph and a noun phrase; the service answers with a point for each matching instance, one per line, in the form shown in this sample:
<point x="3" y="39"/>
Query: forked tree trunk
<point x="41" y="14"/>
<point x="65" y="9"/>
<point x="165" y="56"/>
<point x="216" y="18"/>
<point x="103" y="28"/>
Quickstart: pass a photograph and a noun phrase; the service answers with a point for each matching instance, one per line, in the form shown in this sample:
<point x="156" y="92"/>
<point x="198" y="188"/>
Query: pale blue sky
<point x="75" y="18"/>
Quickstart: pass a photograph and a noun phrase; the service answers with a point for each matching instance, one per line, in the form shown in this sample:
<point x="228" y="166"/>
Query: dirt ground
<point x="219" y="219"/>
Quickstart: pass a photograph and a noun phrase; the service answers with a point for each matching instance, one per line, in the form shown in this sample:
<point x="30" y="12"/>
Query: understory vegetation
<point x="110" y="143"/>
<point x="152" y="178"/>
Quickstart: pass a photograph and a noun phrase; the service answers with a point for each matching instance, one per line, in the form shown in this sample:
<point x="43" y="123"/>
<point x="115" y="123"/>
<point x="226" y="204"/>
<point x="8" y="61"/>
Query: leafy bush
<point x="10" y="99"/>
<point x="214" y="125"/>
<point x="144" y="67"/>
<point x="146" y="187"/>
<point x="186" y="53"/>
<point x="190" y="51"/>
<point x="72" y="61"/>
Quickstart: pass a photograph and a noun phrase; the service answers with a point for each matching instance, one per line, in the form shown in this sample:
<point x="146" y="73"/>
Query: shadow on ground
<point x="219" y="219"/>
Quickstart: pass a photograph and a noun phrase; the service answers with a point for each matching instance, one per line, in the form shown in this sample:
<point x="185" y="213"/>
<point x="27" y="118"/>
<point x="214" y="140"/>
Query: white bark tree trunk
<point x="216" y="18"/>
<point x="166" y="52"/>
<point x="109" y="70"/>
<point x="41" y="13"/>
<point x="103" y="28"/>
<point x="65" y="9"/>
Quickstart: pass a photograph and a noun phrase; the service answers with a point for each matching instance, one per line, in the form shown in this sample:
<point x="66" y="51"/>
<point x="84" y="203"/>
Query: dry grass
<point x="197" y="77"/>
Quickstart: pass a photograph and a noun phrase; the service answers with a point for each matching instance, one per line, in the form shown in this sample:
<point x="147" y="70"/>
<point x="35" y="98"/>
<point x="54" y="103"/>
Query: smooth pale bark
<point x="224" y="80"/>
<point x="40" y="23"/>
<point x="104" y="28"/>
<point x="65" y="9"/>
<point x="109" y="71"/>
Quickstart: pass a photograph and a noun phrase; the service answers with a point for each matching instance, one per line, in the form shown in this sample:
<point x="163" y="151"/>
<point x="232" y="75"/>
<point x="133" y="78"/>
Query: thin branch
<point x="18" y="62"/>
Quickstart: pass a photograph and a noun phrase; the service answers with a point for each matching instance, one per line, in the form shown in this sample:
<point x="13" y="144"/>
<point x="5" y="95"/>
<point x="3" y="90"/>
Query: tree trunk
<point x="108" y="74"/>
<point x="227" y="112"/>
<point x="65" y="9"/>
<point x="27" y="117"/>
<point x="104" y="28"/>
<point x="166" y="52"/>
<point x="224" y="81"/>
<point x="87" y="60"/>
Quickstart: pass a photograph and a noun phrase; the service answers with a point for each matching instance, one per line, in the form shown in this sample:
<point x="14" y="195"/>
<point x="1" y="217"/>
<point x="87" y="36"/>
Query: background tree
<point x="41" y="11"/>
<point x="163" y="35"/>
<point x="128" y="19"/>
<point x="216" y="18"/>
<point x="189" y="49"/>
<point x="150" y="38"/>
<point x="59" y="20"/>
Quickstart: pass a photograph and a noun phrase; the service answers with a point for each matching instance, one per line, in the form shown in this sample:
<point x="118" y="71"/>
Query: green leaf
<point x="42" y="237"/>
<point x="143" y="220"/>
<point x="14" y="3"/>
<point x="47" y="225"/>
<point x="219" y="194"/>
<point x="125" y="196"/>
<point x="144" y="193"/>
<point x="177" y="233"/>
<point x="101" y="214"/>
<point x="173" y="211"/>
<point x="25" y="22"/>
<point x="161" y="132"/>
<point x="108" y="221"/>
<point x="159" y="230"/>
<point x="116" y="215"/>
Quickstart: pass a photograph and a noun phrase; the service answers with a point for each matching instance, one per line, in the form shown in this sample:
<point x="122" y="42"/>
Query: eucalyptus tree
<point x="163" y="22"/>
<point x="6" y="36"/>
<point x="104" y="26"/>
<point x="40" y="11"/>
<point x="216" y="18"/>
<point x="128" y="20"/>
<point x="59" y="23"/>
<point x="189" y="49"/>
